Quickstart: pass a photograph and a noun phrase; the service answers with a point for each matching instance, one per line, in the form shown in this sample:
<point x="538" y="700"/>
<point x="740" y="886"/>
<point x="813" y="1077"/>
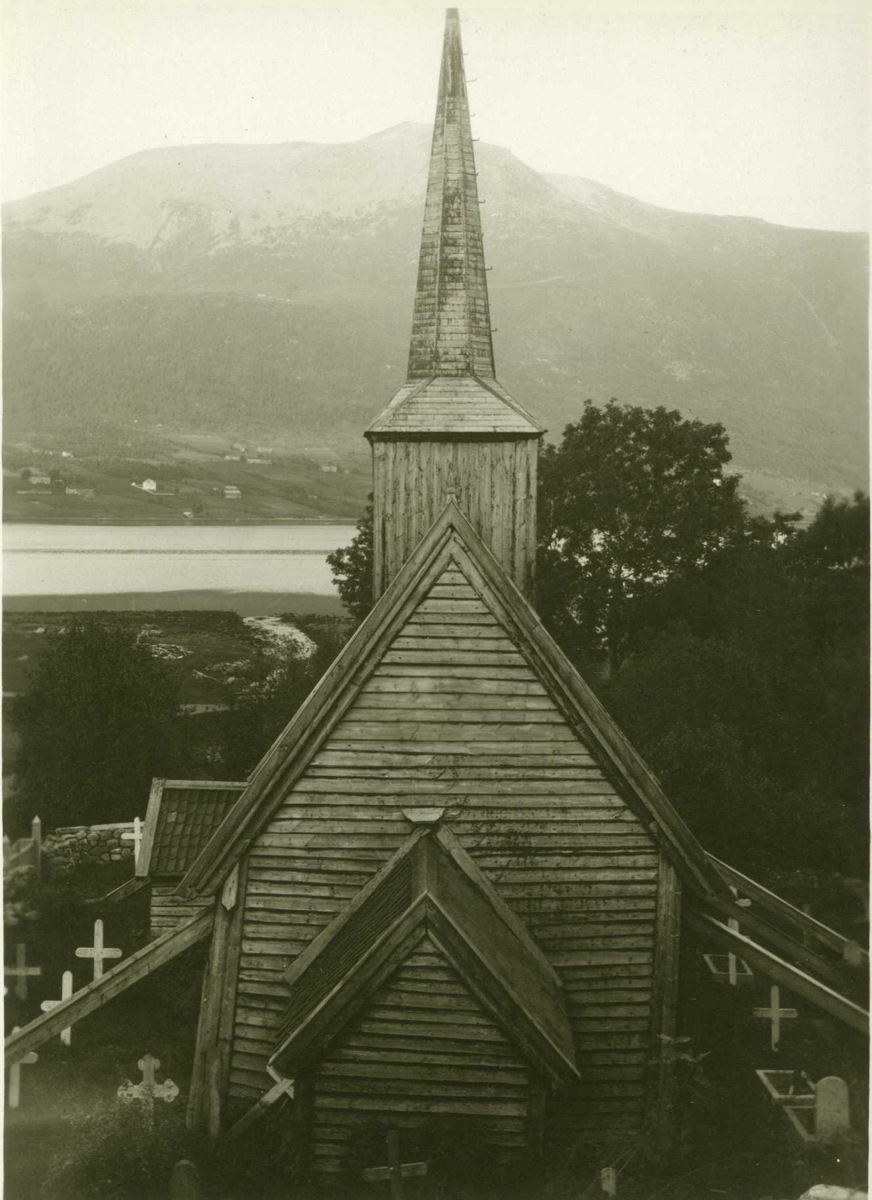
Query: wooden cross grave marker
<point x="21" y="970"/>
<point x="15" y="1075"/>
<point x="98" y="952"/>
<point x="134" y="835"/>
<point x="775" y="1014"/>
<point x="395" y="1172"/>
<point x="148" y="1091"/>
<point x="66" y="1035"/>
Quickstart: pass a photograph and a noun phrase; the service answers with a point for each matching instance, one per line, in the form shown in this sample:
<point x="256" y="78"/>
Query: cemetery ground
<point x="73" y="1138"/>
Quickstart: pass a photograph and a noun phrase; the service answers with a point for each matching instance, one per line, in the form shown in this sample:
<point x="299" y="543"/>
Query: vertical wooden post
<point x="664" y="1001"/>
<point x="217" y="1007"/>
<point x="36" y="842"/>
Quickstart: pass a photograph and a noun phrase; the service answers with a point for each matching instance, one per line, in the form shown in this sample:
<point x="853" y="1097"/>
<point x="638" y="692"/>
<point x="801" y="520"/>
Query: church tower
<point x="451" y="428"/>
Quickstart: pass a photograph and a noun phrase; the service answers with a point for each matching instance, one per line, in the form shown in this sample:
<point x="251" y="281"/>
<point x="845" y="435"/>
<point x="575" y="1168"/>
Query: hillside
<point x="264" y="292"/>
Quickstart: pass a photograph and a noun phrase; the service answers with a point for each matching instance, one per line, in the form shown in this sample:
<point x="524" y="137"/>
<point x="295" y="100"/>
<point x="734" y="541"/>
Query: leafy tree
<point x="352" y="567"/>
<point x="747" y="693"/>
<point x="630" y="498"/>
<point x="98" y="721"/>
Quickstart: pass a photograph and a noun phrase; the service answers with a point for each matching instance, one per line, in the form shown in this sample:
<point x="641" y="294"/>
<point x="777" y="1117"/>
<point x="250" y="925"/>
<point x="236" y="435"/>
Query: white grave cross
<point x="148" y="1091"/>
<point x="15" y="1075"/>
<point x="134" y="835"/>
<point x="775" y="1014"/>
<point x="98" y="952"/>
<point x="21" y="971"/>
<point x="66" y="1035"/>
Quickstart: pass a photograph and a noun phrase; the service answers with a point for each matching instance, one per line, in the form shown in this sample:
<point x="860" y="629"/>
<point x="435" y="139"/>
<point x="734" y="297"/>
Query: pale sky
<point x="758" y="109"/>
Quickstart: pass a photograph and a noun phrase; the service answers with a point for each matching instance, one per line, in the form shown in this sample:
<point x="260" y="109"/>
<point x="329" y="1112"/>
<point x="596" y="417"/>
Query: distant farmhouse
<point x="150" y="486"/>
<point x="232" y="492"/>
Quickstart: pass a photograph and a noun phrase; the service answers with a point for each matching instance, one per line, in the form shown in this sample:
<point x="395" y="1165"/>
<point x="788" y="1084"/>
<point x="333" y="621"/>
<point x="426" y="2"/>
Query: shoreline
<point x="129" y="522"/>
<point x="246" y="603"/>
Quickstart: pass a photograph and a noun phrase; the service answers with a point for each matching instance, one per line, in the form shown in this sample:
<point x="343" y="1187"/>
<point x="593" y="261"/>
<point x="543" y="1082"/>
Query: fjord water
<point x="68" y="560"/>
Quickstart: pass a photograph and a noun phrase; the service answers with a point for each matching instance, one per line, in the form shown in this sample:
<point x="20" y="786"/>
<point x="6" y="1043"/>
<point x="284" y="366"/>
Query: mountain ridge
<point x="264" y="289"/>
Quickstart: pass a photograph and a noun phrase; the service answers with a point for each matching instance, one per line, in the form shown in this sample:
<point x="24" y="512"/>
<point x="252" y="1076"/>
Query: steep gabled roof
<point x="181" y="817"/>
<point x="451" y="540"/>
<point x="429" y="887"/>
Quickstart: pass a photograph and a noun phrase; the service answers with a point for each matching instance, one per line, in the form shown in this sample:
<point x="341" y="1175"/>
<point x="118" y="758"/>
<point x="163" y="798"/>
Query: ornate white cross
<point x="15" y="1075"/>
<point x="148" y="1091"/>
<point x="98" y="952"/>
<point x="775" y="1014"/>
<point x="66" y="991"/>
<point x="134" y="835"/>
<point x="21" y="971"/>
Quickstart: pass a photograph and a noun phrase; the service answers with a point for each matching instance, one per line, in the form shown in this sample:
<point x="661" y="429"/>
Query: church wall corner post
<point x="665" y="1004"/>
<point x="211" y="1068"/>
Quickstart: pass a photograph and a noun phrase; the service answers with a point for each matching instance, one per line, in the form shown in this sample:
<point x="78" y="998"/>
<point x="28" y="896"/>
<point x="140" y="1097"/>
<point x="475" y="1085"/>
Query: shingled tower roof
<point x="451" y="329"/>
<point x="450" y="385"/>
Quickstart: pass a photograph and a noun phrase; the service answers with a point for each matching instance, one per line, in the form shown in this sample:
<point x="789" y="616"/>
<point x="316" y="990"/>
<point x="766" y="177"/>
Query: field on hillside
<point x="54" y="483"/>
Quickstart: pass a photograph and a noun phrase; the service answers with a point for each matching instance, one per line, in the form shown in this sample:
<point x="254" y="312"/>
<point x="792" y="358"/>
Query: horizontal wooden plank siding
<point x="167" y="909"/>
<point x="471" y="731"/>
<point x="422" y="1047"/>
<point x="494" y="482"/>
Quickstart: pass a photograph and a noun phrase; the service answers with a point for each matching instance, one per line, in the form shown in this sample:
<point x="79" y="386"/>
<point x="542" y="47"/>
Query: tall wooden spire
<point x="451" y="330"/>
<point x="452" y="431"/>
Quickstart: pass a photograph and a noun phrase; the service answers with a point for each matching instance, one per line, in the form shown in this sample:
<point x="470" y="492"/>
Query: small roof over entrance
<point x="429" y="887"/>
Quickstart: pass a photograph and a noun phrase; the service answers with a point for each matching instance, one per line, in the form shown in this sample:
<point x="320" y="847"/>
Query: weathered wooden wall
<point x="494" y="483"/>
<point x="455" y="717"/>
<point x="167" y="909"/>
<point x="422" y="1049"/>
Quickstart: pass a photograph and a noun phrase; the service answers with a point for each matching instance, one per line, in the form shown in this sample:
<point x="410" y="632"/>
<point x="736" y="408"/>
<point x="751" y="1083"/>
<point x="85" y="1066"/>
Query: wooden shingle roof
<point x="182" y="816"/>
<point x="451" y="330"/>
<point x="450" y="386"/>
<point x="463" y="404"/>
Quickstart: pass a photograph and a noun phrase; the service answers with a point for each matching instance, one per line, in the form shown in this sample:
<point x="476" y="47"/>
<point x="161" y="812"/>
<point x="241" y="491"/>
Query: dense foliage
<point x="352" y="568"/>
<point x="98" y="721"/>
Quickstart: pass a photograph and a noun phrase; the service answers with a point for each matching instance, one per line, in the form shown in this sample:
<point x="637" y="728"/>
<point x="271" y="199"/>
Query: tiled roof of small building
<point x="182" y="818"/>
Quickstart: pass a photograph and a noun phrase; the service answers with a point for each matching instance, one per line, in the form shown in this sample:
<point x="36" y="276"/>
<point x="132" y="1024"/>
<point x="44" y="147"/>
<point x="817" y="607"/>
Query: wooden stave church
<point x="451" y="887"/>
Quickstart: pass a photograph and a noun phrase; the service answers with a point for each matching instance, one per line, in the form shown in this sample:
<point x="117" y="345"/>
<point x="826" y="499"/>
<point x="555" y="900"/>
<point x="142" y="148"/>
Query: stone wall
<point x="71" y="845"/>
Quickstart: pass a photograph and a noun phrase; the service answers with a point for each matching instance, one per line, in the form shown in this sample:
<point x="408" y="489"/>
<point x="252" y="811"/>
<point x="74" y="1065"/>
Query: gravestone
<point x="832" y="1113"/>
<point x="185" y="1181"/>
<point x="608" y="1181"/>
